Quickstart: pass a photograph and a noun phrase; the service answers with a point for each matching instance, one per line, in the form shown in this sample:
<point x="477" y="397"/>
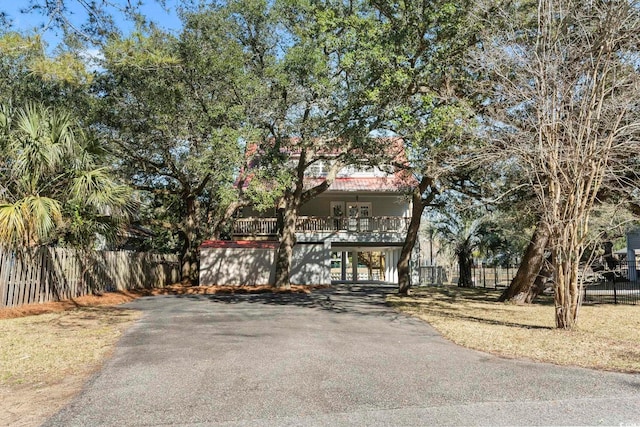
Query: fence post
<point x="4" y="275"/>
<point x="484" y="276"/>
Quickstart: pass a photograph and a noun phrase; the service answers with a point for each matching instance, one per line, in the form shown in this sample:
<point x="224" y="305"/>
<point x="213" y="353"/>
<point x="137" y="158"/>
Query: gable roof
<point x="396" y="182"/>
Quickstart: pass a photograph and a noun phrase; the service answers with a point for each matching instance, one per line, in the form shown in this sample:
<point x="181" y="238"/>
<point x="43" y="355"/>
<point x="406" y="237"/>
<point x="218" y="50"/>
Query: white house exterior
<point x="353" y="232"/>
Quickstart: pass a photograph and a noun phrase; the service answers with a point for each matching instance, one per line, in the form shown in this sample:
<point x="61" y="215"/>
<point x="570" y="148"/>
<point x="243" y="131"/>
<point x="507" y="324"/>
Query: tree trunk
<point x="190" y="257"/>
<point x="417" y="208"/>
<point x="289" y="216"/>
<point x="522" y="286"/>
<point x="540" y="284"/>
<point x="465" y="263"/>
<point x="567" y="296"/>
<point x="190" y="264"/>
<point x="404" y="270"/>
<point x="567" y="244"/>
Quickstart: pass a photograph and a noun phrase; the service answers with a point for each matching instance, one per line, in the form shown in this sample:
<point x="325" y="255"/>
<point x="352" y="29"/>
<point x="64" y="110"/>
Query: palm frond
<point x="45" y="139"/>
<point x="29" y="121"/>
<point x="44" y="214"/>
<point x="5" y="118"/>
<point x="62" y="132"/>
<point x="52" y="175"/>
<point x="98" y="189"/>
<point x="12" y="225"/>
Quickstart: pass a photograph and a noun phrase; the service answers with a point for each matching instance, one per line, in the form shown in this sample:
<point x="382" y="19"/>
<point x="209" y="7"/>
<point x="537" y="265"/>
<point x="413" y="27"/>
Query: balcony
<point x="268" y="226"/>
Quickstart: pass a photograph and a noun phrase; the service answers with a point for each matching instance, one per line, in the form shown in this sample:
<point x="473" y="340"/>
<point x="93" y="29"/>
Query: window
<point x="316" y="169"/>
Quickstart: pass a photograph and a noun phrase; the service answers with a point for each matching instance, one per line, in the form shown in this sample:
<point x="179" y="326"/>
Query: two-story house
<point x="352" y="232"/>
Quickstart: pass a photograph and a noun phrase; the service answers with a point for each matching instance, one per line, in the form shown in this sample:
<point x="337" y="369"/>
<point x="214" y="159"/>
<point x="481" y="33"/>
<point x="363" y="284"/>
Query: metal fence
<point x="432" y="275"/>
<point x="613" y="286"/>
<point x="612" y="292"/>
<point x="483" y="277"/>
<point x="52" y="274"/>
<point x="493" y="277"/>
<point x="618" y="286"/>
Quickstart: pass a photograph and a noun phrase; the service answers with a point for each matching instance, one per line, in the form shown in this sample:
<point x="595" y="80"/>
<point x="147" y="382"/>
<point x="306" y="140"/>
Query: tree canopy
<point x="172" y="109"/>
<point x="53" y="184"/>
<point x="524" y="106"/>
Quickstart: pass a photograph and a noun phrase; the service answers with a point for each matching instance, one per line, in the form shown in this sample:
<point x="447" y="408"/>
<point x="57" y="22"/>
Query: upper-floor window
<point x="316" y="169"/>
<point x="321" y="168"/>
<point x="364" y="171"/>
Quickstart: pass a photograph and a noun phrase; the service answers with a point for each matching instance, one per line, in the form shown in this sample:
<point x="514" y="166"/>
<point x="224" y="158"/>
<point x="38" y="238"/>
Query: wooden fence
<point x="54" y="274"/>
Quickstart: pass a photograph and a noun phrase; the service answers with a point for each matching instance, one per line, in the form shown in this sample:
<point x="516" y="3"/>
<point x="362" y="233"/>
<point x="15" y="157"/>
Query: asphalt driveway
<point x="336" y="357"/>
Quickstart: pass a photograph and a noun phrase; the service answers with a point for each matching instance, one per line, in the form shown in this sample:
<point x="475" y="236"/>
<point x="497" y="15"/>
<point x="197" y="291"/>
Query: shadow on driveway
<point x="355" y="299"/>
<point x="336" y="356"/>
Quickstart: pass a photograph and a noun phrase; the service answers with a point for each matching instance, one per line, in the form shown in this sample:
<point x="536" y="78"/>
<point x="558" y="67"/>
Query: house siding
<point x="237" y="266"/>
<point x="311" y="264"/>
<point x="250" y="266"/>
<point x="381" y="205"/>
<point x="381" y="238"/>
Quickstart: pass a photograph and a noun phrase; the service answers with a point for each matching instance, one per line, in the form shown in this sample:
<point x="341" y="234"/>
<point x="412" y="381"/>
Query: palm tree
<point x="462" y="232"/>
<point x="52" y="185"/>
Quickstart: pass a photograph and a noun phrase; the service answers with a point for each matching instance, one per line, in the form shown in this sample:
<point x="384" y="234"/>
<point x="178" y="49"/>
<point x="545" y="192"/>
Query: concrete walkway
<point x="336" y="357"/>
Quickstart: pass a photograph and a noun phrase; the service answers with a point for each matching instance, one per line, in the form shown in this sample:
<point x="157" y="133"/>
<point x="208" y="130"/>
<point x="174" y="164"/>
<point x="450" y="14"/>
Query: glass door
<point x="359" y="214"/>
<point x="352" y="212"/>
<point x="337" y="215"/>
<point x="364" y="212"/>
<point x="336" y="266"/>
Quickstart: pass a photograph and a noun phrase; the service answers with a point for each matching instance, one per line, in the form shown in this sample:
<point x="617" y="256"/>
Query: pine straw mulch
<point x="121" y="297"/>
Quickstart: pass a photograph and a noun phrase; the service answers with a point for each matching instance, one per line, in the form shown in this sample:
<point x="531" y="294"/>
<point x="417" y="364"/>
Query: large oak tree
<point x="318" y="68"/>
<point x="170" y="107"/>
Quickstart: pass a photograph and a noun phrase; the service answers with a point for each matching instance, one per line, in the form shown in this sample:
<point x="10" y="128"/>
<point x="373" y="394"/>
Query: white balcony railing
<point x="255" y="226"/>
<point x="268" y="226"/>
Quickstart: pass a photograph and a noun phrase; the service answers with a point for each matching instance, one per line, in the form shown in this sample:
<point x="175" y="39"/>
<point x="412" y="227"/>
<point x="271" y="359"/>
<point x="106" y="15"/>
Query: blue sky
<point x="27" y="22"/>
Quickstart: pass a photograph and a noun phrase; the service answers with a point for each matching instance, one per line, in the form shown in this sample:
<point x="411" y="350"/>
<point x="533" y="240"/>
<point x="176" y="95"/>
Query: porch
<point x="269" y="226"/>
<point x="370" y="264"/>
<point x="252" y="262"/>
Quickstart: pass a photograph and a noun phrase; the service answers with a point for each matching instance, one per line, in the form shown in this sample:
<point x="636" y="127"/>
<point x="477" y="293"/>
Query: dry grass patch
<point x="607" y="337"/>
<point x="45" y="359"/>
<point x="44" y="349"/>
